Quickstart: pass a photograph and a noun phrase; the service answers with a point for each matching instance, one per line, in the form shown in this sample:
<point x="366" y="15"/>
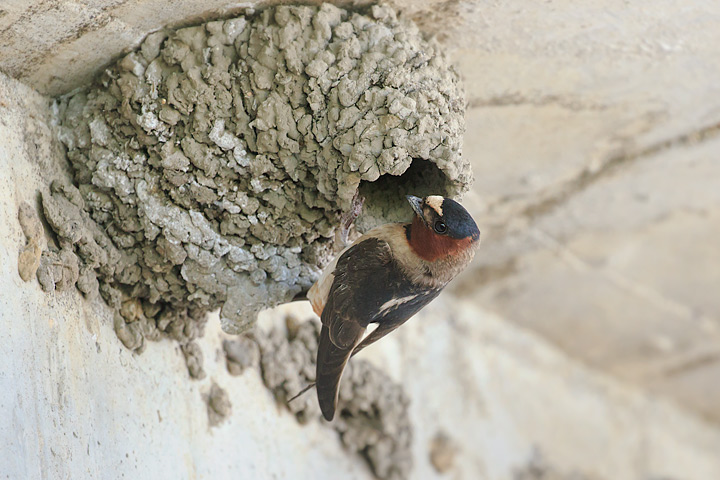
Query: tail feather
<point x="331" y="362"/>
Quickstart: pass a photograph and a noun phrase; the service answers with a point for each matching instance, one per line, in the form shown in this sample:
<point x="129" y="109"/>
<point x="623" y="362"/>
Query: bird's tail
<point x="330" y="364"/>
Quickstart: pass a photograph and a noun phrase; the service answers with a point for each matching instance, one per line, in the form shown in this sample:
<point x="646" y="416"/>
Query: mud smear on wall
<point x="211" y="165"/>
<point x="372" y="417"/>
<point x="538" y="468"/>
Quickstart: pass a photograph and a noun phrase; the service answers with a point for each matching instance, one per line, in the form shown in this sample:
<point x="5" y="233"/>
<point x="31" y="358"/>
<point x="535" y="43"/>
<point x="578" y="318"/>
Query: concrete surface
<point x="79" y="404"/>
<point x="593" y="131"/>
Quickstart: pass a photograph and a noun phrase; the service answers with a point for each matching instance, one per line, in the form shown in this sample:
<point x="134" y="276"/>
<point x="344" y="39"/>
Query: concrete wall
<point x="595" y="130"/>
<point x="592" y="128"/>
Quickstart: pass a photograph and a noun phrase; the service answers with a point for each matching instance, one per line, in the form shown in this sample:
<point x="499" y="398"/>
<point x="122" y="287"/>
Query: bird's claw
<point x="349" y="217"/>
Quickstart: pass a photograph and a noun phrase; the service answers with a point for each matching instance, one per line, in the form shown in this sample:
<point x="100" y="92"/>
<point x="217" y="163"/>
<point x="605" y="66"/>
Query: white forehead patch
<point x="435" y="202"/>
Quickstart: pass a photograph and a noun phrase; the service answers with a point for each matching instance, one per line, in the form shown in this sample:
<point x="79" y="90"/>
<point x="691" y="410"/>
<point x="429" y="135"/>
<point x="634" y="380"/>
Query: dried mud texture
<point x="442" y="452"/>
<point x="194" y="360"/>
<point x="287" y="361"/>
<point x="30" y="253"/>
<point x="240" y="354"/>
<point x="88" y="258"/>
<point x="83" y="250"/>
<point x="539" y="469"/>
<point x="212" y="164"/>
<point x="372" y="417"/>
<point x="218" y="405"/>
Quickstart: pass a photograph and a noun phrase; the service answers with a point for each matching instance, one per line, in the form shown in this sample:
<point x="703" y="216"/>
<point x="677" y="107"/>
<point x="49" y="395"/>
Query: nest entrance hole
<point x="385" y="198"/>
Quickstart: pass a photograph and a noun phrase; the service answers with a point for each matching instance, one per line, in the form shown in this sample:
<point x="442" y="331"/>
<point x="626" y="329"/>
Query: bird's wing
<point x="368" y="286"/>
<point x="400" y="311"/>
<point x="359" y="289"/>
<point x="352" y="299"/>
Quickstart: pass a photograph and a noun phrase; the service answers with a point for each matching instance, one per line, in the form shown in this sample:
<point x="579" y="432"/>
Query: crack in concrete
<point x="648" y="294"/>
<point x="662" y="369"/>
<point x="692" y="362"/>
<point x="478" y="277"/>
<point x="515" y="99"/>
<point x="526" y="218"/>
<point x="590" y="176"/>
<point x="511" y="213"/>
<point x="26" y="64"/>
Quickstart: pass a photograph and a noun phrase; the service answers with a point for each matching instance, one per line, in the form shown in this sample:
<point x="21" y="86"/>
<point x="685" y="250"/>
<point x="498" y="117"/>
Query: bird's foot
<point x="348" y="218"/>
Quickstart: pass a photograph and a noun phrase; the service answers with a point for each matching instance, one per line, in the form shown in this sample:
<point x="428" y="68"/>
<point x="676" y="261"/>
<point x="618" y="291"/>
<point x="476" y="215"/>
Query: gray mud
<point x="240" y="353"/>
<point x="442" y="452"/>
<point x="538" y="468"/>
<point x="31" y="253"/>
<point x="218" y="405"/>
<point x="372" y="417"/>
<point x="211" y="164"/>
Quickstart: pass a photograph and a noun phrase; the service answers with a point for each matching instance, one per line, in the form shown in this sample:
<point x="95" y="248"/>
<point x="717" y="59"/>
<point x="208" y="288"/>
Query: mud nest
<point x="212" y="163"/>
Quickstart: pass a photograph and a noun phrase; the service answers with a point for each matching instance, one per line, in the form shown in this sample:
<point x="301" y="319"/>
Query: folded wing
<point x="368" y="286"/>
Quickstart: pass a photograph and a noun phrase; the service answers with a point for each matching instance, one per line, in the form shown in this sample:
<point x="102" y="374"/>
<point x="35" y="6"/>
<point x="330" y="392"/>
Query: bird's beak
<point x="417" y="205"/>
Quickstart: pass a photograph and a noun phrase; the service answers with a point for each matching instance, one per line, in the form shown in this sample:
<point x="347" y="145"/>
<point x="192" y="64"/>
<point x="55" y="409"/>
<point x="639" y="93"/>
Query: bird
<point x="385" y="277"/>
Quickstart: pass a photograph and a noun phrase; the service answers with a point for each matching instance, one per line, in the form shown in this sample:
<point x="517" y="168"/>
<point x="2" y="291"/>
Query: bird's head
<point x="441" y="227"/>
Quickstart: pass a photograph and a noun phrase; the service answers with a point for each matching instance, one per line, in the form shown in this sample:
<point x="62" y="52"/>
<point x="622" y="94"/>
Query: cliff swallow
<point x="385" y="277"/>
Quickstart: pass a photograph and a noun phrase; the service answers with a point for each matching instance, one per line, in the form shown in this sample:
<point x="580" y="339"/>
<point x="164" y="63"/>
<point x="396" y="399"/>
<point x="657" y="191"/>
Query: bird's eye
<point x="440" y="227"/>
